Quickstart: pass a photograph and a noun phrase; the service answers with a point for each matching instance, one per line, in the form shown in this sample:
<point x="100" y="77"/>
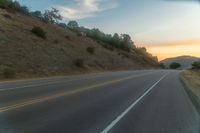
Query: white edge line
<point x="3" y="109"/>
<point x="114" y="122"/>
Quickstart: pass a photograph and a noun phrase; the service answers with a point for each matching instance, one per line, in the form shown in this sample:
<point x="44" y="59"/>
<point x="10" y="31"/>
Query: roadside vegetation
<point x="191" y="78"/>
<point x="196" y="65"/>
<point x="162" y="65"/>
<point x="175" y="65"/>
<point x="7" y="72"/>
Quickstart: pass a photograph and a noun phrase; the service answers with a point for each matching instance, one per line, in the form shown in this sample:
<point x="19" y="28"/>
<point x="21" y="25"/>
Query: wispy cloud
<point x="86" y="8"/>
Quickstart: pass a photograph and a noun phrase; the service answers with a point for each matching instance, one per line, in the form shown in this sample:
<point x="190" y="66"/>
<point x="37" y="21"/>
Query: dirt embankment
<point x="62" y="52"/>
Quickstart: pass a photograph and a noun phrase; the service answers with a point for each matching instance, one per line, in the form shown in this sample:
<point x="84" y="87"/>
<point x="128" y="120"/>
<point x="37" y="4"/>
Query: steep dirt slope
<point x="30" y="55"/>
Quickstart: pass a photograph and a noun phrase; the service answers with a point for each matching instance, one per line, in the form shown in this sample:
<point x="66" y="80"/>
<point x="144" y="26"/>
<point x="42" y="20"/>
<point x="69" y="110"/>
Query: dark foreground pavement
<point x="151" y="101"/>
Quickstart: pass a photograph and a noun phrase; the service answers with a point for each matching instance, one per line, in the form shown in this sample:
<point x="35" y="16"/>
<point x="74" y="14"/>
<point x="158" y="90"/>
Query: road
<point x="150" y="101"/>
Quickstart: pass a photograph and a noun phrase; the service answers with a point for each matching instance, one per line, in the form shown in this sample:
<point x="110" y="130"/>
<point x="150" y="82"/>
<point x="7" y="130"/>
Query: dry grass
<point x="192" y="79"/>
<point x="33" y="56"/>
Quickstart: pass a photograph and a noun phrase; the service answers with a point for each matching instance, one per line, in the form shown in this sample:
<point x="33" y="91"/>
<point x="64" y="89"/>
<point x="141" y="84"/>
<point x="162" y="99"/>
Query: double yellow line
<point x="62" y="94"/>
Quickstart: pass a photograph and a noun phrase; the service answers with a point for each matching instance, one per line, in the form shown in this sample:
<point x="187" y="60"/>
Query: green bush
<point x="7" y="72"/>
<point x="16" y="6"/>
<point x="196" y="65"/>
<point x="79" y="62"/>
<point x="175" y="65"/>
<point x="79" y="34"/>
<point x="91" y="50"/>
<point x="4" y="3"/>
<point x="39" y="32"/>
<point x="68" y="37"/>
<point x="162" y="65"/>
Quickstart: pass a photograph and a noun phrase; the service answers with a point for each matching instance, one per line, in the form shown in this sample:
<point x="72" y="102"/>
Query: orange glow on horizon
<point x="174" y="49"/>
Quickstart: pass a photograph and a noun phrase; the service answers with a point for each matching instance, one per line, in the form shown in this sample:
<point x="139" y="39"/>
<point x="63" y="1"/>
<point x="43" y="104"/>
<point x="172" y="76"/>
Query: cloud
<point x="86" y="8"/>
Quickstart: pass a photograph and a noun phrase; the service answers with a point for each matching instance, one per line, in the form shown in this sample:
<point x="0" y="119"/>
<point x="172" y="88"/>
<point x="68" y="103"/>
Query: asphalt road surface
<point x="151" y="101"/>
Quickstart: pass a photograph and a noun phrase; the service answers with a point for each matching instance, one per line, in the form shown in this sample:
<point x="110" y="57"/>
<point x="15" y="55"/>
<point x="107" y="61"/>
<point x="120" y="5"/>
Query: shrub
<point x="62" y="25"/>
<point x="91" y="50"/>
<point x="68" y="37"/>
<point x="4" y="3"/>
<point x="175" y="65"/>
<point x="79" y="62"/>
<point x="196" y="65"/>
<point x="7" y="16"/>
<point x="56" y="41"/>
<point x="79" y="34"/>
<point x="162" y="65"/>
<point x="9" y="72"/>
<point x="108" y="47"/>
<point x="39" y="32"/>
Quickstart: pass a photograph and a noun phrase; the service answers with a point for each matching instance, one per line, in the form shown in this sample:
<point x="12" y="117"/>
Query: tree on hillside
<point x="37" y="14"/>
<point x="196" y="65"/>
<point x="63" y="25"/>
<point x="52" y="16"/>
<point x="116" y="40"/>
<point x="175" y="65"/>
<point x="73" y="24"/>
<point x="4" y="3"/>
<point x="126" y="43"/>
<point x="17" y="7"/>
<point x="162" y="65"/>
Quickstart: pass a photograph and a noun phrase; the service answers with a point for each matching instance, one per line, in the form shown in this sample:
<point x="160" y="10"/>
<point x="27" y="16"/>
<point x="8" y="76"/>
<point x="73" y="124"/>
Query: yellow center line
<point x="19" y="105"/>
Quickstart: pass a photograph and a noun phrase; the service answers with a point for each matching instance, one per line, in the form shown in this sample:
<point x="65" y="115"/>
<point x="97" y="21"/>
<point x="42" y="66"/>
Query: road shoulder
<point x="191" y="82"/>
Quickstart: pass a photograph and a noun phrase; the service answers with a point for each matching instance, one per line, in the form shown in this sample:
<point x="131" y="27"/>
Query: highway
<point x="148" y="101"/>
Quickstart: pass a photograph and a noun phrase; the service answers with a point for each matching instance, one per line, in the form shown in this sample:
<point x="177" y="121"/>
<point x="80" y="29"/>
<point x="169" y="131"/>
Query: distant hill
<point x="185" y="61"/>
<point x="62" y="52"/>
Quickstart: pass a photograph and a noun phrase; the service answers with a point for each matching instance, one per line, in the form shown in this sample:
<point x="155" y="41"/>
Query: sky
<point x="167" y="28"/>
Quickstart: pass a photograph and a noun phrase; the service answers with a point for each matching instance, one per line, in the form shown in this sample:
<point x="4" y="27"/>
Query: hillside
<point x="62" y="52"/>
<point x="185" y="61"/>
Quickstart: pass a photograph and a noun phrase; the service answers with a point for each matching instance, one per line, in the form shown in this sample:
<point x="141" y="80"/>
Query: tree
<point x="52" y="16"/>
<point x="175" y="65"/>
<point x="116" y="40"/>
<point x="24" y="10"/>
<point x="196" y="65"/>
<point x="162" y="65"/>
<point x="15" y="5"/>
<point x="37" y="14"/>
<point x="4" y="3"/>
<point x="63" y="25"/>
<point x="73" y="24"/>
<point x="126" y="43"/>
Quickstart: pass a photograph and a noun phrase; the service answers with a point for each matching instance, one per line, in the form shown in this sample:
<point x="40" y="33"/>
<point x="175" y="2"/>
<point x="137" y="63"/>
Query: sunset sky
<point x="167" y="28"/>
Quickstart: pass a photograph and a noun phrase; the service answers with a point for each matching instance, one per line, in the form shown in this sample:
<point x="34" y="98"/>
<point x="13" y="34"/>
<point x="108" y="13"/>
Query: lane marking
<point x="114" y="122"/>
<point x="62" y="94"/>
<point x="28" y="86"/>
<point x="48" y="83"/>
